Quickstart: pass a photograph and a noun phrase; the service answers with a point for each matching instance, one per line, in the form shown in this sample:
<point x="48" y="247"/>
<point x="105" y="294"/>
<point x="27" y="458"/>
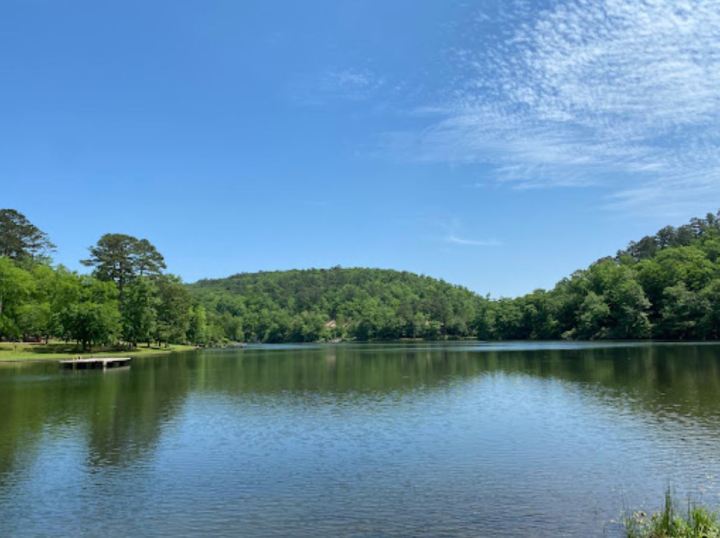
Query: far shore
<point x="54" y="351"/>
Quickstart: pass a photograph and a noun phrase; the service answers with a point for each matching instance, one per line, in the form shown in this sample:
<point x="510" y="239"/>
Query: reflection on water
<point x="460" y="439"/>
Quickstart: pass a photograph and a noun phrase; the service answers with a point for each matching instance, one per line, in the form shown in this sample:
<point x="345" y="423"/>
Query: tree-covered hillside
<point x="664" y="286"/>
<point x="321" y="304"/>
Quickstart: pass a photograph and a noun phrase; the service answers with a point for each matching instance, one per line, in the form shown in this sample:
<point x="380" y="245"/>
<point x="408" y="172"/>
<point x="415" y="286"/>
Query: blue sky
<point x="496" y="144"/>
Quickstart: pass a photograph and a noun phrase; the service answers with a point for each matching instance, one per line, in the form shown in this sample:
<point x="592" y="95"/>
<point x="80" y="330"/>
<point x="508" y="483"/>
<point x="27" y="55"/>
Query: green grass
<point x="696" y="522"/>
<point x="12" y="351"/>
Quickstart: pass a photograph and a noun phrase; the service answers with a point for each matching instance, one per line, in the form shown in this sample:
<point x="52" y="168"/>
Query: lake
<point x="417" y="439"/>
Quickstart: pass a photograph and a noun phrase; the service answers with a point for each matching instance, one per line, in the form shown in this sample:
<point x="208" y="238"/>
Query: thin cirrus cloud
<point x="455" y="240"/>
<point x="619" y="94"/>
<point x="348" y="84"/>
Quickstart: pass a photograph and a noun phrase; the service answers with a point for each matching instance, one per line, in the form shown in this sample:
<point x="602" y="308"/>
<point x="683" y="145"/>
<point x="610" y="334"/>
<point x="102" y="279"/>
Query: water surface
<point x="458" y="439"/>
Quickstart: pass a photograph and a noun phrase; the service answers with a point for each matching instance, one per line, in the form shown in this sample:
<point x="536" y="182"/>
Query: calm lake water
<point x="459" y="439"/>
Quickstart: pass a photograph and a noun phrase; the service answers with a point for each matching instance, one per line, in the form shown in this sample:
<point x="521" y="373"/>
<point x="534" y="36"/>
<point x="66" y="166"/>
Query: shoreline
<point x="24" y="353"/>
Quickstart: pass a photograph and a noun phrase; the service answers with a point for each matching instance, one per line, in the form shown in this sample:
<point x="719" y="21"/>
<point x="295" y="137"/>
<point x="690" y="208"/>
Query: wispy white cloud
<point x="450" y="230"/>
<point x="348" y="84"/>
<point x="619" y="93"/>
<point x="351" y="81"/>
<point x="455" y="240"/>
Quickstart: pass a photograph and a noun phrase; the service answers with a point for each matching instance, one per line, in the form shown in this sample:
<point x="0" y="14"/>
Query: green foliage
<point x="127" y="299"/>
<point x="138" y="311"/>
<point x="710" y="322"/>
<point x="697" y="522"/>
<point x="324" y="304"/>
<point x="172" y="310"/>
<point x="122" y="258"/>
<point x="16" y="287"/>
<point x="89" y="323"/>
<point x="683" y="313"/>
<point x="20" y="239"/>
<point x="94" y="318"/>
<point x="593" y="317"/>
<point x="198" y="328"/>
<point x="663" y="286"/>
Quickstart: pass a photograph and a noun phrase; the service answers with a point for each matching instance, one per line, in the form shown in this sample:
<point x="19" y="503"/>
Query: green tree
<point x="148" y="261"/>
<point x="624" y="296"/>
<point x="683" y="314"/>
<point x="20" y="239"/>
<point x="35" y="320"/>
<point x="122" y="258"/>
<point x="53" y="288"/>
<point x="90" y="324"/>
<point x="94" y="319"/>
<point x="172" y="308"/>
<point x="540" y="317"/>
<point x="138" y="312"/>
<point x="710" y="322"/>
<point x="16" y="288"/>
<point x="593" y="318"/>
<point x="198" y="329"/>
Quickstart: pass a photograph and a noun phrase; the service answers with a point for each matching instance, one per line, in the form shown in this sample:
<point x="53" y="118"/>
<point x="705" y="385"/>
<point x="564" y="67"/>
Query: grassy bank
<point x="18" y="351"/>
<point x="671" y="522"/>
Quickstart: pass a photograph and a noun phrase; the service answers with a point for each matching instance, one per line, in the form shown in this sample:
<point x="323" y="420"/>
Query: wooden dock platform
<point x="95" y="362"/>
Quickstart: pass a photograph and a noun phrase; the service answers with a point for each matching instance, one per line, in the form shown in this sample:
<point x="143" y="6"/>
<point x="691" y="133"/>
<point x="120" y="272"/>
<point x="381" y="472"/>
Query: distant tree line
<point x="665" y="286"/>
<point x="127" y="300"/>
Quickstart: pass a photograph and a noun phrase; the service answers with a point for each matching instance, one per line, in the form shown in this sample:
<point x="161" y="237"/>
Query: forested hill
<point x="663" y="286"/>
<point x="317" y="304"/>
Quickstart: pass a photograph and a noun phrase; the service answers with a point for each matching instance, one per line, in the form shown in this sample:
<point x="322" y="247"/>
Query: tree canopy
<point x="122" y="258"/>
<point x="127" y="300"/>
<point x="317" y="304"/>
<point x="664" y="286"/>
<point x="20" y="239"/>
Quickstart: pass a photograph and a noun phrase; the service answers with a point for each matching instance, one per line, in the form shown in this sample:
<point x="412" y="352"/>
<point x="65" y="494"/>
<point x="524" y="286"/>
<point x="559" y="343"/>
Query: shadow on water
<point x="118" y="412"/>
<point x="685" y="378"/>
<point x="121" y="411"/>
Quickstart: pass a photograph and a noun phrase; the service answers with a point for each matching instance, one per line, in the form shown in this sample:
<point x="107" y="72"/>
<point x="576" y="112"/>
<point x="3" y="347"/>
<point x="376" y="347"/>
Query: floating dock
<point x="95" y="362"/>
